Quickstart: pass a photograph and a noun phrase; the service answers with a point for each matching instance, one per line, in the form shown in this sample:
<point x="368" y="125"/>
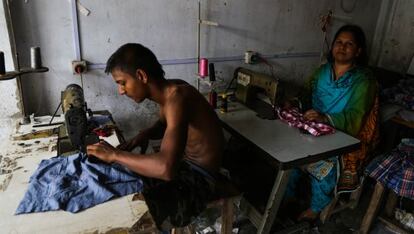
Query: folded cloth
<point x="294" y="118"/>
<point x="74" y="183"/>
<point x="395" y="170"/>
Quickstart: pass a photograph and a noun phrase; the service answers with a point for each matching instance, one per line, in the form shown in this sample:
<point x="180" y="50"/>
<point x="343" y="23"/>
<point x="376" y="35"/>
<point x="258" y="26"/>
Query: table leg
<point x="274" y="201"/>
<point x="372" y="208"/>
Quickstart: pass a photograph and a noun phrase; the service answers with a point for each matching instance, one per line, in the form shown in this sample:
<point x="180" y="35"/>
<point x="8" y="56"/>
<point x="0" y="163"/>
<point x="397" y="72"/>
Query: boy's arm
<point x="154" y="132"/>
<point x="161" y="165"/>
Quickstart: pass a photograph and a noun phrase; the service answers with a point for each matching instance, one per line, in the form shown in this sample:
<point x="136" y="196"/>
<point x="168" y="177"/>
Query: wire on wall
<point x="324" y="22"/>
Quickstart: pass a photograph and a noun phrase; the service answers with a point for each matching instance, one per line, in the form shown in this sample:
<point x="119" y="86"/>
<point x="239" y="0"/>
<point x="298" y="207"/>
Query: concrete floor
<point x="346" y="222"/>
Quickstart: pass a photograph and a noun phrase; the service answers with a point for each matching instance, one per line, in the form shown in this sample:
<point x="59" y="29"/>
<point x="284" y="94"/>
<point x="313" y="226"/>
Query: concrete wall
<point x="397" y="49"/>
<point x="9" y="95"/>
<point x="169" y="28"/>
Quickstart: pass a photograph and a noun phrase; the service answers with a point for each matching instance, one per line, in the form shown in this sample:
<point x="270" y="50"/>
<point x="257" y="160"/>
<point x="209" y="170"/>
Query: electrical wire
<point x="236" y="71"/>
<point x="324" y="23"/>
<point x="81" y="78"/>
<point x="268" y="64"/>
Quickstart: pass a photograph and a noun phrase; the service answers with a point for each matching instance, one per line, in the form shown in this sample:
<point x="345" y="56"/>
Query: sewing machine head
<point x="76" y="133"/>
<point x="74" y="109"/>
<point x="250" y="84"/>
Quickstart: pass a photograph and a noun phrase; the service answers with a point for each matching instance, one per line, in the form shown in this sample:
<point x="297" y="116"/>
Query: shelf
<point x="12" y="74"/>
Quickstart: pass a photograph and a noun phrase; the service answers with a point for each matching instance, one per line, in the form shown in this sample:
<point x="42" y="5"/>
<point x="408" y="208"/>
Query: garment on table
<point x="177" y="202"/>
<point x="321" y="188"/>
<point x="395" y="170"/>
<point x="294" y="118"/>
<point x="73" y="183"/>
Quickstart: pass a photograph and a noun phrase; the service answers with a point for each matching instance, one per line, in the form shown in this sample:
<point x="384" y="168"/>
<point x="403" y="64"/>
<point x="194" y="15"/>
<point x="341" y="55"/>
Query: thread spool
<point x="203" y="70"/>
<point x="212" y="97"/>
<point x="211" y="72"/>
<point x="223" y="106"/>
<point x="2" y="64"/>
<point x="35" y="60"/>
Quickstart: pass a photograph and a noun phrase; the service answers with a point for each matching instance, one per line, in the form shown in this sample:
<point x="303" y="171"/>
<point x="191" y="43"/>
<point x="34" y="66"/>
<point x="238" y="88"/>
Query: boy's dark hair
<point x="132" y="56"/>
<point x="359" y="37"/>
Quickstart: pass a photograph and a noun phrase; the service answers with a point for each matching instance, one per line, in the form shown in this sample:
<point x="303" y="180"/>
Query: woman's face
<point x="345" y="49"/>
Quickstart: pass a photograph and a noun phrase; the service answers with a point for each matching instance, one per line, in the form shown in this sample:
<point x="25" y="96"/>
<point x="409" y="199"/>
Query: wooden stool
<point x="225" y="195"/>
<point x="336" y="206"/>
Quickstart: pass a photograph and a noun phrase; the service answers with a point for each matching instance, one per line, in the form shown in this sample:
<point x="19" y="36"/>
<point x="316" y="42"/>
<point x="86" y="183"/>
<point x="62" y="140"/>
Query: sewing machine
<point x="75" y="133"/>
<point x="250" y="85"/>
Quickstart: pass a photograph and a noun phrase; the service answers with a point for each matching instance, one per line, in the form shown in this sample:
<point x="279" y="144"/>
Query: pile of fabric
<point x="395" y="170"/>
<point x="401" y="94"/>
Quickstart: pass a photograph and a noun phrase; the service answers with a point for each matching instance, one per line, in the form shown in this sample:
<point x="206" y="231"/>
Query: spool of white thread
<point x="35" y="60"/>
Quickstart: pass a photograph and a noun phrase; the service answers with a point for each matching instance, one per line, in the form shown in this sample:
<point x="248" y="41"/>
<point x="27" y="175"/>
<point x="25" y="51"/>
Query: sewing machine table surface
<point x="286" y="147"/>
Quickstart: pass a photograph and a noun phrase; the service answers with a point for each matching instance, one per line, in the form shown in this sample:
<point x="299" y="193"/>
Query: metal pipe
<point x="75" y="28"/>
<point x="198" y="34"/>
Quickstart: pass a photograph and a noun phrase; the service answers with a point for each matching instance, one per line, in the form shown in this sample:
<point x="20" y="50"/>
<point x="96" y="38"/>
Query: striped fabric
<point x="395" y="170"/>
<point x="294" y="118"/>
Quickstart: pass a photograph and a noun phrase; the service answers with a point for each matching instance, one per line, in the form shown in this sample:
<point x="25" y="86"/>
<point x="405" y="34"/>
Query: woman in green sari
<point x="341" y="93"/>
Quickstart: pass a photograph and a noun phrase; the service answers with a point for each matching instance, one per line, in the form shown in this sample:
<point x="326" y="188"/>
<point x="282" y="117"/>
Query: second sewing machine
<point x="255" y="90"/>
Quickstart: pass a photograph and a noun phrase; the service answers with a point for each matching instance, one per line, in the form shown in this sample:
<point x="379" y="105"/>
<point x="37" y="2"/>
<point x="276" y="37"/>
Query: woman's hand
<point x="103" y="151"/>
<point x="313" y="115"/>
<point x="139" y="140"/>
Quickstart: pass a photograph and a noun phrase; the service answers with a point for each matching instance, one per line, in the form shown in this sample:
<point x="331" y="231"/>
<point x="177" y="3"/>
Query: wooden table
<point x="286" y="146"/>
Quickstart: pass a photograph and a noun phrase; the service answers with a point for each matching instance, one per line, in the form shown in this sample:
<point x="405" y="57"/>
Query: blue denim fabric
<point x="73" y="183"/>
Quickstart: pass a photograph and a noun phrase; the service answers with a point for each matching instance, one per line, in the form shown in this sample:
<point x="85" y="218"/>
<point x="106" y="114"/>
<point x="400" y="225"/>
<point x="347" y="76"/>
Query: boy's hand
<point x="103" y="151"/>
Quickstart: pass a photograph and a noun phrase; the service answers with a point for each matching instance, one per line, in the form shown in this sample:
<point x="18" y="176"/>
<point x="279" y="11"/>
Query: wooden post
<point x="372" y="208"/>
<point x="227" y="216"/>
<point x="392" y="200"/>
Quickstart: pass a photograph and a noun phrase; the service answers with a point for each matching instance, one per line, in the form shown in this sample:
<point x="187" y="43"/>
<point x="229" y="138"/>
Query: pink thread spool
<point x="203" y="67"/>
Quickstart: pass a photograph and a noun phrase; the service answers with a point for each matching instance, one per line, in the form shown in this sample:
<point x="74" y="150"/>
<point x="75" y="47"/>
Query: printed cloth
<point x="178" y="202"/>
<point x="294" y="118"/>
<point x="74" y="183"/>
<point x="322" y="168"/>
<point x="395" y="170"/>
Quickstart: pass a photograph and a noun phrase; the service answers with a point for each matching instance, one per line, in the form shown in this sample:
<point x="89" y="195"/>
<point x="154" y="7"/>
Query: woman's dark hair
<point x="132" y="56"/>
<point x="360" y="41"/>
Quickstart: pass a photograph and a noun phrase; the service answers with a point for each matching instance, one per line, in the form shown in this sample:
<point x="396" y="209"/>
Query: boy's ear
<point x="141" y="75"/>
